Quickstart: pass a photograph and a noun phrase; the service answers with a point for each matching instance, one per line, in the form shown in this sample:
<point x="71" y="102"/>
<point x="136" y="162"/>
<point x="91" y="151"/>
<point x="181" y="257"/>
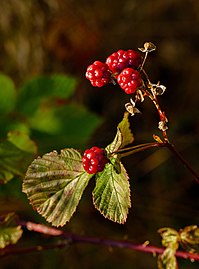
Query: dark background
<point x="60" y="36"/>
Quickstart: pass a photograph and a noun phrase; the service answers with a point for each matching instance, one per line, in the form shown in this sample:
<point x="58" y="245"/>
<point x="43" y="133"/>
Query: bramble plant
<point x="55" y="182"/>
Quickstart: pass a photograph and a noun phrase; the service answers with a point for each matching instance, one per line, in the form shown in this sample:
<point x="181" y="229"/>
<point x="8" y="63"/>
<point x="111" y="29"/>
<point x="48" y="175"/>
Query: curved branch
<point x="69" y="239"/>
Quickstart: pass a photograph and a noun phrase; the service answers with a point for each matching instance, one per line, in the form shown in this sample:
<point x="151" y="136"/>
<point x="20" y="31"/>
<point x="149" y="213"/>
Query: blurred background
<point x="64" y="37"/>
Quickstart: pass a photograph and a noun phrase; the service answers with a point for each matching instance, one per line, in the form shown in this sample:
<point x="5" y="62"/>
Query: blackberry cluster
<point x="94" y="160"/>
<point x="121" y="66"/>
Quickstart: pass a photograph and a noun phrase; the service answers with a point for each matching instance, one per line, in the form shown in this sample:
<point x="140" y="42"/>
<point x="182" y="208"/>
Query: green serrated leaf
<point x="55" y="183"/>
<point x="123" y="136"/>
<point x="16" y="153"/>
<point x="111" y="195"/>
<point x="7" y="94"/>
<point x="10" y="232"/>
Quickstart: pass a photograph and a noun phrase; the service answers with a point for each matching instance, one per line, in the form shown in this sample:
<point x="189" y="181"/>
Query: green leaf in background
<point x="111" y="195"/>
<point x="123" y="136"/>
<point x="55" y="183"/>
<point x="16" y="153"/>
<point x="7" y="95"/>
<point x="45" y="90"/>
<point x="72" y="125"/>
<point x="10" y="232"/>
<point x="44" y="106"/>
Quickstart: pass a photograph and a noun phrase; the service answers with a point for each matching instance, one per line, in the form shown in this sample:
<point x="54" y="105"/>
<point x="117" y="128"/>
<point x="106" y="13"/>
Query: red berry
<point x="94" y="160"/>
<point x="98" y="73"/>
<point x="122" y="59"/>
<point x="129" y="80"/>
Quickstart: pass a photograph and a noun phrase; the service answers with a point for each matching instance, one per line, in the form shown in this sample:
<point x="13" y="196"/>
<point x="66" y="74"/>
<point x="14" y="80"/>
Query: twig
<point x="69" y="239"/>
<point x="183" y="161"/>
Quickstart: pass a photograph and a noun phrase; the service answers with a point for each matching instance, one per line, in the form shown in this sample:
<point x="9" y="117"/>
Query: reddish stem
<point x="72" y="239"/>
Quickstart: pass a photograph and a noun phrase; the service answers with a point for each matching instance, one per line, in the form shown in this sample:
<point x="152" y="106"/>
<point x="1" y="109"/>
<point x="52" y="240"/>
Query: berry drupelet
<point x="94" y="160"/>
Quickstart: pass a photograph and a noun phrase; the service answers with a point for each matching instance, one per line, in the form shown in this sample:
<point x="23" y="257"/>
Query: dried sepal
<point x="148" y="47"/>
<point x="170" y="237"/>
<point x="130" y="108"/>
<point x="162" y="126"/>
<point x="157" y="89"/>
<point x="189" y="238"/>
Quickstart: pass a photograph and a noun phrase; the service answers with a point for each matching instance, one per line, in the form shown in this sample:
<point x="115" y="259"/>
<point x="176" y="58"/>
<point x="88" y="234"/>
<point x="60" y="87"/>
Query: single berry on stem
<point x="94" y="160"/>
<point x="122" y="59"/>
<point x="129" y="80"/>
<point x="98" y="73"/>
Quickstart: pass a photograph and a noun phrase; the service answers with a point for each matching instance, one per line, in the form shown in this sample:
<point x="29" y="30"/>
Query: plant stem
<point x="141" y="147"/>
<point x="138" y="148"/>
<point x="182" y="160"/>
<point x="69" y="238"/>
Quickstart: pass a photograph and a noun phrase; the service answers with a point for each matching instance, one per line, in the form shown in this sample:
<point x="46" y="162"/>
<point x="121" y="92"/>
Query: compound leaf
<point x="55" y="183"/>
<point x="111" y="195"/>
<point x="10" y="232"/>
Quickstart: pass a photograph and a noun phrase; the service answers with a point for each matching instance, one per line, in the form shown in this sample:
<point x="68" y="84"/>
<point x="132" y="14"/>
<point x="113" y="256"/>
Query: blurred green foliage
<point x="43" y="108"/>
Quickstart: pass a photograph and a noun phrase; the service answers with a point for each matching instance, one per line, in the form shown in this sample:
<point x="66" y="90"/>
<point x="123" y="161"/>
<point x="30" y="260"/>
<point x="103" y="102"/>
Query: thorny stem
<point x="69" y="239"/>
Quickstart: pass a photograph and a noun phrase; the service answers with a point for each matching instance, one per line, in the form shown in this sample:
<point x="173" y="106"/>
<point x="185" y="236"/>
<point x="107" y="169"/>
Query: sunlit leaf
<point x="111" y="195"/>
<point x="16" y="153"/>
<point x="7" y="94"/>
<point x="123" y="136"/>
<point x="10" y="232"/>
<point x="55" y="183"/>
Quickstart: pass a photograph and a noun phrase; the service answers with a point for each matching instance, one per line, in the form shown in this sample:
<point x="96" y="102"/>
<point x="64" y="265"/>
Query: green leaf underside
<point x="111" y="195"/>
<point x="10" y="233"/>
<point x="55" y="183"/>
<point x="123" y="136"/>
<point x="15" y="156"/>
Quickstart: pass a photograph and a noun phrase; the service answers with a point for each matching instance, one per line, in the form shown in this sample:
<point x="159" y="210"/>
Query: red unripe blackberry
<point x="98" y="73"/>
<point x="122" y="59"/>
<point x="94" y="160"/>
<point x="129" y="80"/>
